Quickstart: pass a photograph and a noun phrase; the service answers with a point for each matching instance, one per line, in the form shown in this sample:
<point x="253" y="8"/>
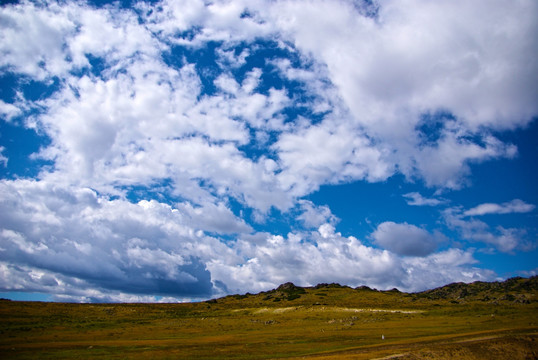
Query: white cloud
<point x="417" y="57"/>
<point x="127" y="126"/>
<point x="506" y="240"/>
<point x="314" y="216"/>
<point x="9" y="111"/>
<point x="446" y="164"/>
<point x="115" y="35"/>
<point x="194" y="22"/>
<point x="96" y="122"/>
<point x="32" y="37"/>
<point x="404" y="239"/>
<point x="452" y="265"/>
<point x="213" y="218"/>
<point x="275" y="259"/>
<point x="229" y="58"/>
<point x="372" y="130"/>
<point x="240" y="101"/>
<point x="3" y="159"/>
<point x="415" y="199"/>
<point x="130" y="129"/>
<point x="328" y="153"/>
<point x="514" y="206"/>
<point x="271" y="260"/>
<point x="50" y="39"/>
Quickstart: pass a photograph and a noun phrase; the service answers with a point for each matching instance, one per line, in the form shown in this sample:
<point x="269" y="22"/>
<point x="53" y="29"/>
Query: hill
<point x="516" y="289"/>
<point x="328" y="321"/>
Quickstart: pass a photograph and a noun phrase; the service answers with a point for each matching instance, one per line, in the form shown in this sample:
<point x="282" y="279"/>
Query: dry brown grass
<point x="342" y="323"/>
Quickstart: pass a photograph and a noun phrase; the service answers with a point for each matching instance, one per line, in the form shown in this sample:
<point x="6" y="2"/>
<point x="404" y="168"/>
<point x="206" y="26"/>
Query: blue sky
<point x="184" y="150"/>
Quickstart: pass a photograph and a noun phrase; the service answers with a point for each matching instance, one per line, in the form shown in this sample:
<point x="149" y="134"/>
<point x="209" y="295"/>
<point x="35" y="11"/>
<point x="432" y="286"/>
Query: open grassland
<point x="327" y="322"/>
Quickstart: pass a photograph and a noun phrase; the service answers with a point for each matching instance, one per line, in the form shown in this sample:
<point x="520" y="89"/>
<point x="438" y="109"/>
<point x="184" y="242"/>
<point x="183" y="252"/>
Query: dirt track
<point x="493" y="346"/>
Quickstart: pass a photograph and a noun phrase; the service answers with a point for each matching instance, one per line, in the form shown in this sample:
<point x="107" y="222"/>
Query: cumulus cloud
<point x="300" y="256"/>
<point x="404" y="239"/>
<point x="84" y="247"/>
<point x="151" y="150"/>
<point x="142" y="248"/>
<point x="514" y="206"/>
<point x="32" y="39"/>
<point x="314" y="216"/>
<point x="372" y="133"/>
<point x="328" y="153"/>
<point x="414" y="58"/>
<point x="147" y="124"/>
<point x="452" y="265"/>
<point x="196" y="22"/>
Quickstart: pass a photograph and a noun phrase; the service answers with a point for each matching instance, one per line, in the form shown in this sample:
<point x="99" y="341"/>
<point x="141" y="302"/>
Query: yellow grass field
<point x="327" y="322"/>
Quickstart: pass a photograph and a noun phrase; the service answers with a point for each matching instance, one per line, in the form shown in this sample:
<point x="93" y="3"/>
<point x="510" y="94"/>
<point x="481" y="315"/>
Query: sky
<point x="181" y="150"/>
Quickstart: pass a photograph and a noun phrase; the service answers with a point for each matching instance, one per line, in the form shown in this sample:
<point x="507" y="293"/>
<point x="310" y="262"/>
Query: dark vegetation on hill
<point x="514" y="290"/>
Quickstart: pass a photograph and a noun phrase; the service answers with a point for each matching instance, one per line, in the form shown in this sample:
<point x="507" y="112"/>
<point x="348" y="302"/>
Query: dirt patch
<point x="362" y="310"/>
<point x="392" y="311"/>
<point x="281" y="310"/>
<point x="392" y="357"/>
<point x="274" y="310"/>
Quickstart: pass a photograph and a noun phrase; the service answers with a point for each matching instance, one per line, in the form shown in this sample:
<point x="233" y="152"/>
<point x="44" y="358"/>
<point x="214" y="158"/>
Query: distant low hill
<point x="516" y="289"/>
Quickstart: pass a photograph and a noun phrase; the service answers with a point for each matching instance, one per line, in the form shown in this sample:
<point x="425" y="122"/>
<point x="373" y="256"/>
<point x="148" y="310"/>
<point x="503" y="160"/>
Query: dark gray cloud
<point x="404" y="239"/>
<point x="107" y="245"/>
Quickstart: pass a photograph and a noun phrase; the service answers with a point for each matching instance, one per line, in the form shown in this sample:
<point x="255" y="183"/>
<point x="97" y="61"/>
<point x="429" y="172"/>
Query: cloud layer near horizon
<point x="149" y="153"/>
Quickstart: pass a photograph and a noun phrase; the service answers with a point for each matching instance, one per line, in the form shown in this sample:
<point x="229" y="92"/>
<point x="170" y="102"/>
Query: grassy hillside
<point x="329" y="321"/>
